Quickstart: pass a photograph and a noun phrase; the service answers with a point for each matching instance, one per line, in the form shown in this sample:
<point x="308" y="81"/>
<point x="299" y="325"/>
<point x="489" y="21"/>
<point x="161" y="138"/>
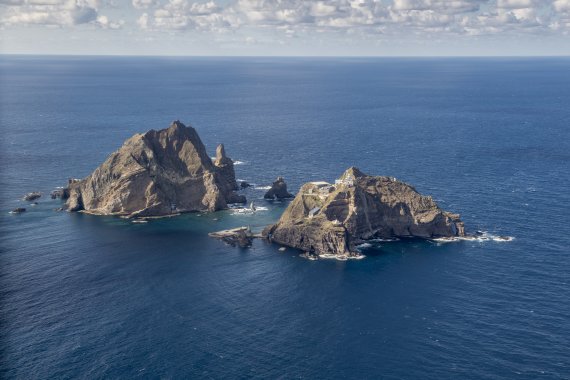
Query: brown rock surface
<point x="155" y="174"/>
<point x="278" y="190"/>
<point x="241" y="236"/>
<point x="333" y="219"/>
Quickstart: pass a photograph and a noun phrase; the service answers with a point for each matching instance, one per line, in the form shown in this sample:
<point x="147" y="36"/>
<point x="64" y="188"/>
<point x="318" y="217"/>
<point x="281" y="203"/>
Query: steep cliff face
<point x="155" y="174"/>
<point x="225" y="171"/>
<point x="327" y="218"/>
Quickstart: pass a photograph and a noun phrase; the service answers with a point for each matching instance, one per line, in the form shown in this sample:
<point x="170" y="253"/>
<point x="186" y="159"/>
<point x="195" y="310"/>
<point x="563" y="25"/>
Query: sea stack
<point x="225" y="169"/>
<point x="157" y="173"/>
<point x="278" y="190"/>
<point x="334" y="218"/>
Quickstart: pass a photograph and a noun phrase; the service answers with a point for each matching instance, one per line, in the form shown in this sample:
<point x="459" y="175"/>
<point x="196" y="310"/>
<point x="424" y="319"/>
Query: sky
<point x="286" y="27"/>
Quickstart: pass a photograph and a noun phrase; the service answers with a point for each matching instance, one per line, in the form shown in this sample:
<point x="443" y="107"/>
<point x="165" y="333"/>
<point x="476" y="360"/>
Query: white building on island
<point x="347" y="181"/>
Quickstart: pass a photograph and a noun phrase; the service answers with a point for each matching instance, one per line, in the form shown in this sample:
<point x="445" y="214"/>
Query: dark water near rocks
<point x="97" y="297"/>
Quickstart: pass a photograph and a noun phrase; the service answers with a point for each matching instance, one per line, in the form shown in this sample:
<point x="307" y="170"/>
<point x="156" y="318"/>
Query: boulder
<point x="334" y="218"/>
<point x="18" y="210"/>
<point x="157" y="173"/>
<point x="278" y="190"/>
<point x="32" y="196"/>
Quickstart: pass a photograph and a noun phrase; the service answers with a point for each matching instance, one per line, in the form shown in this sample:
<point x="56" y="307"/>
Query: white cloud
<point x="514" y="4"/>
<point x="295" y="18"/>
<point x="144" y="4"/>
<point x="185" y="15"/>
<point x="439" y="6"/>
<point x="562" y="5"/>
<point x="60" y="13"/>
<point x="322" y="9"/>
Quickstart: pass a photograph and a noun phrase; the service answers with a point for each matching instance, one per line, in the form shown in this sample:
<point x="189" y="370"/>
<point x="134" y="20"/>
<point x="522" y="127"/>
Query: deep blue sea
<point x="99" y="297"/>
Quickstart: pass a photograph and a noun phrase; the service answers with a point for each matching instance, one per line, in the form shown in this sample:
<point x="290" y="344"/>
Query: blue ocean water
<point x="98" y="297"/>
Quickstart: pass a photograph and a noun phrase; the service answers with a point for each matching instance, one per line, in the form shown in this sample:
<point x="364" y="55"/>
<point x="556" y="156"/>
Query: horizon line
<point x="278" y="56"/>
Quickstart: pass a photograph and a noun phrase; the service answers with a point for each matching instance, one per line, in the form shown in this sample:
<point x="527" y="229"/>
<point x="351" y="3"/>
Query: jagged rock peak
<point x="154" y="174"/>
<point x="221" y="157"/>
<point x="220" y="152"/>
<point x="352" y="172"/>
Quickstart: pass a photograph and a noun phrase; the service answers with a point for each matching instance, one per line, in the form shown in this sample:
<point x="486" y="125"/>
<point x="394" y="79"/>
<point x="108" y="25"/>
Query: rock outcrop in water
<point x="333" y="219"/>
<point x="32" y="196"/>
<point x="278" y="190"/>
<point x="225" y="168"/>
<point x="157" y="173"/>
<point x="241" y="236"/>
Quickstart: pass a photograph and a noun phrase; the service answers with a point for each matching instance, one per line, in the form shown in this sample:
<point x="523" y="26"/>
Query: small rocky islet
<point x="168" y="172"/>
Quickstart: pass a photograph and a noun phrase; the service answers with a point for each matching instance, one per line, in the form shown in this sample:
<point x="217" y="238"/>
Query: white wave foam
<point x="480" y="236"/>
<point x="446" y="239"/>
<point x="485" y="236"/>
<point x="386" y="240"/>
<point x="238" y="162"/>
<point x="262" y="187"/>
<point x="503" y="238"/>
<point x="340" y="257"/>
<point x="248" y="211"/>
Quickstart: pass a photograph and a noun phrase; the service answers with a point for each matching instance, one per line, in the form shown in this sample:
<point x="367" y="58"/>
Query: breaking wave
<point x="246" y="211"/>
<point x="340" y="257"/>
<point x="480" y="236"/>
<point x="386" y="240"/>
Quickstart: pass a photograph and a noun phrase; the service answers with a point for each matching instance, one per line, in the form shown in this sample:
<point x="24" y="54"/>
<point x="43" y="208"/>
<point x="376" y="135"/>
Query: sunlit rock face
<point x="333" y="218"/>
<point x="157" y="173"/>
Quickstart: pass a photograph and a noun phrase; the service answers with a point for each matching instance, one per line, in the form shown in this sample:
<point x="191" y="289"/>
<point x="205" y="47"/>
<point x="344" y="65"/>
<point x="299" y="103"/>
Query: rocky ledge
<point x="157" y="173"/>
<point x="334" y="218"/>
<point x="241" y="236"/>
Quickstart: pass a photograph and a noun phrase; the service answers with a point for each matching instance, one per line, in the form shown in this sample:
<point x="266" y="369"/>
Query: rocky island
<point x="168" y="172"/>
<point x="334" y="218"/>
<point x="157" y="173"/>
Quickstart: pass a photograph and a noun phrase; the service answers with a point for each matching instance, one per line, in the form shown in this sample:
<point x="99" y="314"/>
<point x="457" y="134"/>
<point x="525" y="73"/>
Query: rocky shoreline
<point x="327" y="218"/>
<point x="168" y="172"/>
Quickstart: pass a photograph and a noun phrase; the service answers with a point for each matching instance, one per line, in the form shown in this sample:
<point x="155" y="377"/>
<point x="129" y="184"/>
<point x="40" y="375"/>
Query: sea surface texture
<point x="101" y="297"/>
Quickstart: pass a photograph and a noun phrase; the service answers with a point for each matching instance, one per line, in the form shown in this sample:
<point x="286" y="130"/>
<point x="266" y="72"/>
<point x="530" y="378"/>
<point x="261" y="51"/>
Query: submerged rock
<point x="18" y="210"/>
<point x="278" y="190"/>
<point x="32" y="196"/>
<point x="157" y="173"/>
<point x="333" y="219"/>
